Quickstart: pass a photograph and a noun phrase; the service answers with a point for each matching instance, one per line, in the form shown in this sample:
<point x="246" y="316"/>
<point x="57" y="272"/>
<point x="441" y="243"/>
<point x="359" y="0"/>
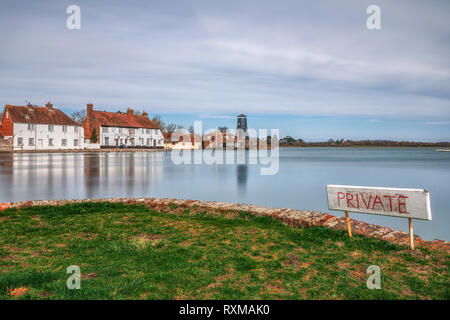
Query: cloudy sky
<point x="309" y="68"/>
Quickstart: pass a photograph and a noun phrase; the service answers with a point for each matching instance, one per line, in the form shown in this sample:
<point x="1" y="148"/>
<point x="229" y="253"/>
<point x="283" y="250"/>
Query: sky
<point x="311" y="69"/>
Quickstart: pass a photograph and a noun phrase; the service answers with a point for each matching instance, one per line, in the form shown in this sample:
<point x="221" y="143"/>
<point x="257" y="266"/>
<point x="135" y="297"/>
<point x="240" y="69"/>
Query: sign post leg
<point x="411" y="234"/>
<point x="349" y="227"/>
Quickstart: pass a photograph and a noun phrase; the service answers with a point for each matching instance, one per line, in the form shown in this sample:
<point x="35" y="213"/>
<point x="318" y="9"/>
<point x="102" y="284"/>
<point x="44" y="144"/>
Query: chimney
<point x="130" y="112"/>
<point x="49" y="105"/>
<point x="89" y="109"/>
<point x="144" y="113"/>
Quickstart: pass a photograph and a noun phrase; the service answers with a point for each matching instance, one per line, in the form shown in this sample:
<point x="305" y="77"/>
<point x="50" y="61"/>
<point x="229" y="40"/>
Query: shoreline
<point x="112" y="150"/>
<point x="83" y="151"/>
<point x="367" y="147"/>
<point x="290" y="217"/>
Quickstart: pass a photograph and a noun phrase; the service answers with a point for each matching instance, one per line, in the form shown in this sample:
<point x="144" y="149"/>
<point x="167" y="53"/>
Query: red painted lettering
<point x="366" y="204"/>
<point x="377" y="200"/>
<point x="400" y="204"/>
<point x="390" y="201"/>
<point x="349" y="203"/>
<point x="339" y="198"/>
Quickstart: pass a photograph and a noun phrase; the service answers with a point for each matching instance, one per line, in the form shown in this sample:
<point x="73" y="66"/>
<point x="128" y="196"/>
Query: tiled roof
<point x="38" y="115"/>
<point x="115" y="119"/>
<point x="95" y="119"/>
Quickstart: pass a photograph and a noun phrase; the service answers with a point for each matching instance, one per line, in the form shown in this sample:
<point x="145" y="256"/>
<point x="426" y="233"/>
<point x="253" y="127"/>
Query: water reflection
<point x="300" y="182"/>
<point x="242" y="176"/>
<point x="91" y="174"/>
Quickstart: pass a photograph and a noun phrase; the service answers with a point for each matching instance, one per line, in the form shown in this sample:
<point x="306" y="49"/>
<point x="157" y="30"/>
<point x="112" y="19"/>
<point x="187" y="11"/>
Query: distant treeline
<point x="291" y="142"/>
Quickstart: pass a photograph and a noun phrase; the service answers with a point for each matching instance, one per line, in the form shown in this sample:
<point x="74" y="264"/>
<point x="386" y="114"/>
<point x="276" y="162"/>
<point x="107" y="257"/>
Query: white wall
<point x="184" y="146"/>
<point x="142" y="137"/>
<point x="41" y="136"/>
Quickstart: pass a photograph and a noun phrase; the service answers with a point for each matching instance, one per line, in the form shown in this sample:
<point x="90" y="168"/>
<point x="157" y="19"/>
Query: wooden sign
<point x="403" y="203"/>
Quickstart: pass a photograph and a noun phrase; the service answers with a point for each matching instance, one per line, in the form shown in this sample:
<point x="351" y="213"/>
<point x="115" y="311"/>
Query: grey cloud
<point x="292" y="57"/>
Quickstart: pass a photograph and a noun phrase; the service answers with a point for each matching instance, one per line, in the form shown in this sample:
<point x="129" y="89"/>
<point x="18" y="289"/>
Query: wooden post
<point x="349" y="227"/>
<point x="411" y="234"/>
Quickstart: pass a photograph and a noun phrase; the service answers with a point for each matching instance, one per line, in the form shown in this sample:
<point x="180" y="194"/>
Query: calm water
<point x="300" y="182"/>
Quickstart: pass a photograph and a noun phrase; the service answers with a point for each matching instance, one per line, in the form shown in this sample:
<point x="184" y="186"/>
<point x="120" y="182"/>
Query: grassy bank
<point x="131" y="252"/>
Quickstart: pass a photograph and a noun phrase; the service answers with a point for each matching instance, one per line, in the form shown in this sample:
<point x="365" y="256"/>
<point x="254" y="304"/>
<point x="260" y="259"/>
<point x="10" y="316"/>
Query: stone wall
<point x="290" y="217"/>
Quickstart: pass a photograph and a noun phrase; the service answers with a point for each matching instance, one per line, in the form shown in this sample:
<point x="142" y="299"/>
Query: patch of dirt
<point x="87" y="236"/>
<point x="186" y="243"/>
<point x="275" y="287"/>
<point x="148" y="237"/>
<point x="8" y="258"/>
<point x="17" y="292"/>
<point x="308" y="276"/>
<point x="359" y="274"/>
<point x="293" y="260"/>
<point x="220" y="279"/>
<point x="86" y="276"/>
<point x="39" y="225"/>
<point x="420" y="271"/>
<point x="356" y="254"/>
<point x="45" y="294"/>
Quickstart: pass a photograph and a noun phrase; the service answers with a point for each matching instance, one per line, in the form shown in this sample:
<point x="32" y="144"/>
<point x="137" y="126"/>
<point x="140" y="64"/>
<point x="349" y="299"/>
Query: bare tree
<point x="79" y="116"/>
<point x="158" y="122"/>
<point x="170" y="128"/>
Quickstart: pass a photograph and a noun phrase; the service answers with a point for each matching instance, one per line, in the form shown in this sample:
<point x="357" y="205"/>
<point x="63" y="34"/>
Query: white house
<point x="182" y="141"/>
<point x="40" y="128"/>
<point x="116" y="129"/>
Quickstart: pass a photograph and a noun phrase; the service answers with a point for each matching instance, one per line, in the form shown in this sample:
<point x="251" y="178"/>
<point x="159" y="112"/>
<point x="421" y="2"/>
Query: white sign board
<point x="404" y="203"/>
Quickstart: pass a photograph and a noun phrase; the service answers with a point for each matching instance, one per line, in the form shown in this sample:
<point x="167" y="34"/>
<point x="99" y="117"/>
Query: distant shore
<point x="368" y="147"/>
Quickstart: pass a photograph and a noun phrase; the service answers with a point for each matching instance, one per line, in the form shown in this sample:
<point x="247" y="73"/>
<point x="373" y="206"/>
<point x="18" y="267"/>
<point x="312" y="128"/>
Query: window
<point x="31" y="142"/>
<point x="30" y="126"/>
<point x="64" y="128"/>
<point x="105" y="129"/>
<point x="50" y="142"/>
<point x="106" y="141"/>
<point x="75" y="142"/>
<point x="64" y="142"/>
<point x="141" y="141"/>
<point x="20" y="142"/>
<point x="75" y="129"/>
<point x="148" y="141"/>
<point x="51" y="128"/>
<point x="120" y="130"/>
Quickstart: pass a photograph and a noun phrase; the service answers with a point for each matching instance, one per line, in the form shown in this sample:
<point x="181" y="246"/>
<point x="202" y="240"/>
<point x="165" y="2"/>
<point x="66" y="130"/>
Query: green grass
<point x="131" y="252"/>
